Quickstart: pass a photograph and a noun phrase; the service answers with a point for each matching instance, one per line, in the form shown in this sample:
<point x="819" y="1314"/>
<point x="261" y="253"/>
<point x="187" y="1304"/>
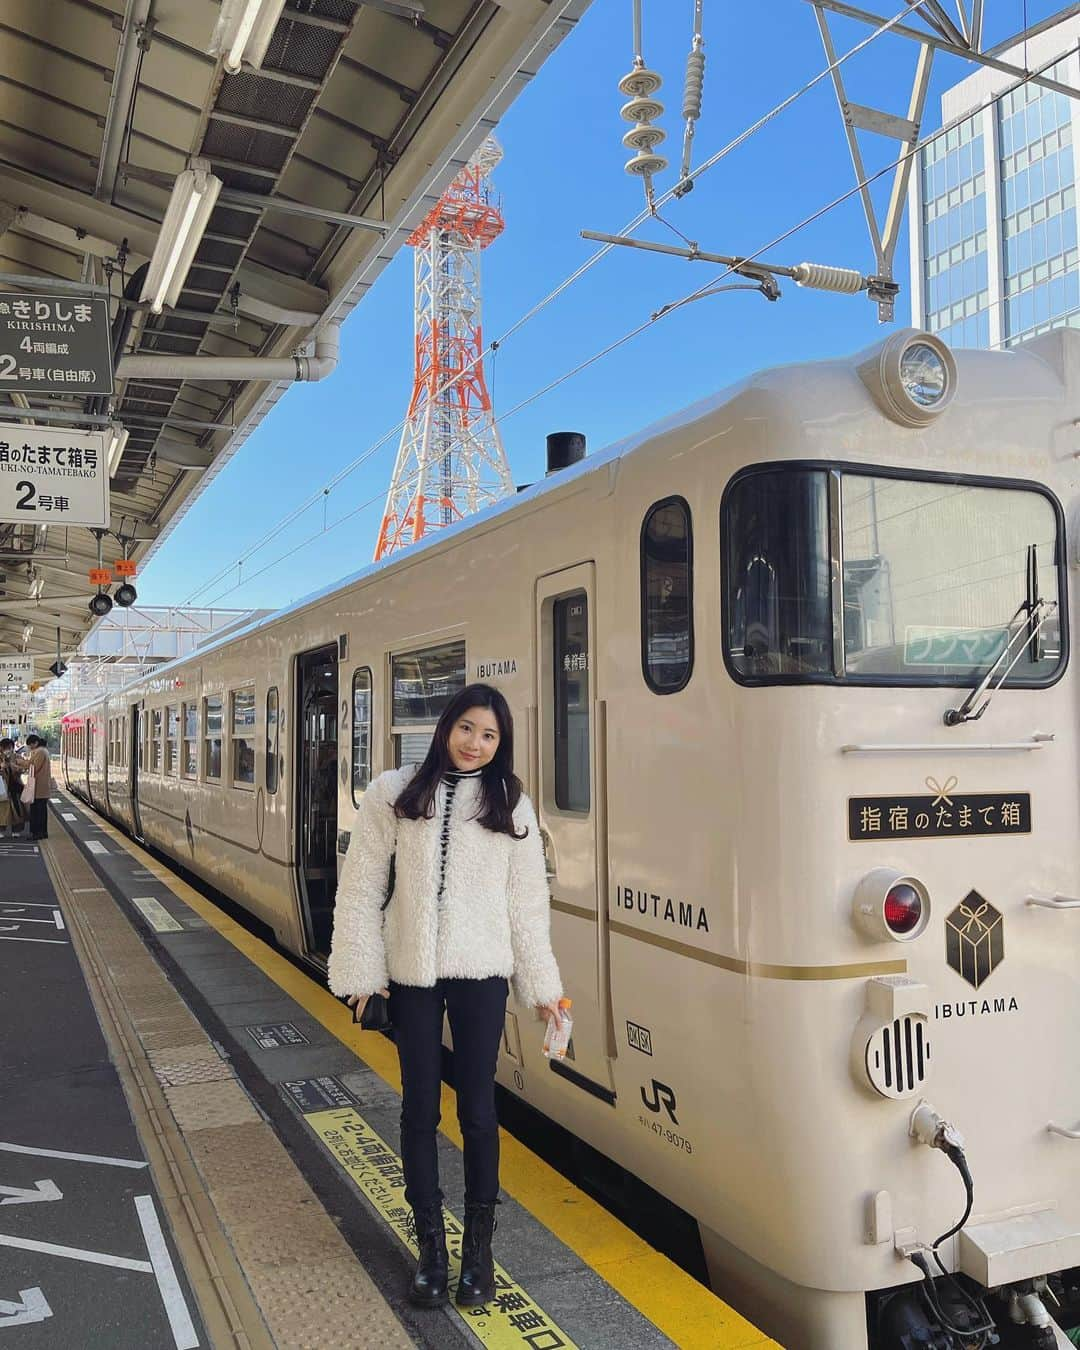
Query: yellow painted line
<point x="673" y="1301"/>
<point x="512" y="1320"/>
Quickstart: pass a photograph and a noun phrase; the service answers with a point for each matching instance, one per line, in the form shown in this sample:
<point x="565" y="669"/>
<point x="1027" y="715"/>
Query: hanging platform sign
<point x="15" y="671"/>
<point x="53" y="344"/>
<point x="53" y="477"/>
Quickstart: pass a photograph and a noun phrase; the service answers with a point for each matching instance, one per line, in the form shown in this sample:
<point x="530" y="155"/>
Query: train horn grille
<point x="898" y="1057"/>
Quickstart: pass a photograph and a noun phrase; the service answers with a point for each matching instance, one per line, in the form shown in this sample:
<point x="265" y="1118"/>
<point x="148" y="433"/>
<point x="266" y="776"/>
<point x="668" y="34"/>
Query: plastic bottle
<point x="556" y="1039"/>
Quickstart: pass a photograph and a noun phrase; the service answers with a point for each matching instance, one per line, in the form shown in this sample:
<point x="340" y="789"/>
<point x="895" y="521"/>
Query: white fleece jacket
<point x="494" y="915"/>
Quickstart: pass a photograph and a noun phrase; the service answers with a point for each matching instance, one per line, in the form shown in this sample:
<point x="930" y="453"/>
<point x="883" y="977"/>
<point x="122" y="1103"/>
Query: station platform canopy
<point x="329" y="150"/>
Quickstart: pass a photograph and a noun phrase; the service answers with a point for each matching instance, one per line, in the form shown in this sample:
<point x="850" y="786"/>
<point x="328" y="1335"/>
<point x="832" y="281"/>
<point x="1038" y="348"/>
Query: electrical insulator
<point x="821" y="277"/>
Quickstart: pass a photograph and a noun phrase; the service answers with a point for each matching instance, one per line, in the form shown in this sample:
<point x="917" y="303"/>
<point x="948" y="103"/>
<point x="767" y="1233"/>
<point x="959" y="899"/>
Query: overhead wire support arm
<point x="814" y="276"/>
<point x="883" y="235"/>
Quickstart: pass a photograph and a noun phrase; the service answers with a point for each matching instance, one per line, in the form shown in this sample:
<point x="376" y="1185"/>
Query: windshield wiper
<point x="1037" y="614"/>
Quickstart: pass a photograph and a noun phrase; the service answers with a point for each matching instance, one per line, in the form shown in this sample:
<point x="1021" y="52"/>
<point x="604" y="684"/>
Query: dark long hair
<point x="500" y="788"/>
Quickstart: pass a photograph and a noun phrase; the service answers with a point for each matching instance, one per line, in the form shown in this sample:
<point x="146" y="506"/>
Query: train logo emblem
<point x="663" y="1096"/>
<point x="975" y="939"/>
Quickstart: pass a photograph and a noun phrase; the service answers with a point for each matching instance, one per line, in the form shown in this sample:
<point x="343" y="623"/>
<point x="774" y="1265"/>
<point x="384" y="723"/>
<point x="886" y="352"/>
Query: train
<point x="791" y="679"/>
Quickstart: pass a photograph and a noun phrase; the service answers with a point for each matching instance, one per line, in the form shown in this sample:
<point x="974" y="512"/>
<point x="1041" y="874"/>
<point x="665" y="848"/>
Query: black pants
<point x="477" y="1010"/>
<point x="39" y="818"/>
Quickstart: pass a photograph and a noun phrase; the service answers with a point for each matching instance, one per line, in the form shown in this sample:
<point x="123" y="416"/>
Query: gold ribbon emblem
<point x="974" y="916"/>
<point x="942" y="790"/>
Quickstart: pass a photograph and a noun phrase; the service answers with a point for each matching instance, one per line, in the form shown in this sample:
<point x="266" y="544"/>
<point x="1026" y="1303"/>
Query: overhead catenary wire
<point x="641" y="327"/>
<point x="564" y="285"/>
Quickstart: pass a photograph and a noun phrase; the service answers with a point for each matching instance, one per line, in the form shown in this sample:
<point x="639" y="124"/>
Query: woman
<point x="469" y="911"/>
<point x="11" y="809"/>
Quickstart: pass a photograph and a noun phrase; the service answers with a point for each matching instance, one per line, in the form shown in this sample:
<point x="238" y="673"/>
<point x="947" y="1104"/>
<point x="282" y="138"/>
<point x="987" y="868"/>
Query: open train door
<point x="571" y="761"/>
<point x="316" y="758"/>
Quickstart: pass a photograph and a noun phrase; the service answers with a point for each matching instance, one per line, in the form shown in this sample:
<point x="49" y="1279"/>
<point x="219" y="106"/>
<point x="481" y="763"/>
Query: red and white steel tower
<point x="451" y="460"/>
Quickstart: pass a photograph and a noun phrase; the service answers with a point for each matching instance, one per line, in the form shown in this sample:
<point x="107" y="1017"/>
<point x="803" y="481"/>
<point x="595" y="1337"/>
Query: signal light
<point x="125" y="595"/>
<point x="100" y="604"/>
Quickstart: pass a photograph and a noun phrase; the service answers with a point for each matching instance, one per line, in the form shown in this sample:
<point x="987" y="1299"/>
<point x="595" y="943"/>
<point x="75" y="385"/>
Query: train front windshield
<point x="880" y="577"/>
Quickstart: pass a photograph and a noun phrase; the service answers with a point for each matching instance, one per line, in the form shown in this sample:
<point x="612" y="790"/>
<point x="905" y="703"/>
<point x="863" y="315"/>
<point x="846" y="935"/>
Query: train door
<point x="571" y="760"/>
<point x="136" y="733"/>
<point x="317" y="795"/>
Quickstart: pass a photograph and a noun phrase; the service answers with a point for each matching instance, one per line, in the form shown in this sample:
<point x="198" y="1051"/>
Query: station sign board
<point x="53" y="477"/>
<point x="15" y="671"/>
<point x="53" y="344"/>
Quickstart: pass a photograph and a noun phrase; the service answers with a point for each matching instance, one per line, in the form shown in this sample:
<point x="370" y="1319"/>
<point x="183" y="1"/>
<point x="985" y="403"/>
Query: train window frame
<point x="207" y="738"/>
<point x="235" y="741"/>
<point x="271" y="767"/>
<point x="674" y="500"/>
<point x="836" y="469"/>
<point x="172" y="741"/>
<point x="561" y="763"/>
<point x="366" y="672"/>
<point x="189" y="742"/>
<point x="399" y="730"/>
<point x="157" y="727"/>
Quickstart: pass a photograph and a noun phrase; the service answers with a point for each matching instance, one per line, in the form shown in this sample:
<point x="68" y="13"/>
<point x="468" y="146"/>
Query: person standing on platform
<point x="12" y="813"/>
<point x="469" y="910"/>
<point x="37" y="765"/>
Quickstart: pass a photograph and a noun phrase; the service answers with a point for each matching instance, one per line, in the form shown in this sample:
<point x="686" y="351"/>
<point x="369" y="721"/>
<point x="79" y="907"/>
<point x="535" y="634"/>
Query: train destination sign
<point x="53" y="344"/>
<point x="944" y="813"/>
<point x="53" y="477"/>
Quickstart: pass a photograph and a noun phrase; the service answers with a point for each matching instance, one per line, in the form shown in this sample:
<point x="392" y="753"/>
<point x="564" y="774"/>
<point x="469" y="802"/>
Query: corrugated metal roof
<point x="355" y="110"/>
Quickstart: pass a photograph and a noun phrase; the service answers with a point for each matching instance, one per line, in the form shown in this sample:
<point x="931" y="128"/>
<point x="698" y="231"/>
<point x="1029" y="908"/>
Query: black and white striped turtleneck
<point x="451" y="779"/>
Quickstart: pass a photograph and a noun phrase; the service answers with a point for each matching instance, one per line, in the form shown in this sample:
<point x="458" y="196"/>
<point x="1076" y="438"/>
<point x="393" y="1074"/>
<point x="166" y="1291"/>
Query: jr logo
<point x="662" y="1095"/>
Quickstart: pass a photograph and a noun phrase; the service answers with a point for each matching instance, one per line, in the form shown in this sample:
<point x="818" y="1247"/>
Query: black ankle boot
<point x="429" y="1287"/>
<point x="476" y="1284"/>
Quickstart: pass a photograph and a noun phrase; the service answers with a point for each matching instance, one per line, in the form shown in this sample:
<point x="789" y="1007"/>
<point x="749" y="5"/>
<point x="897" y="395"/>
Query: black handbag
<point x="376" y="1013"/>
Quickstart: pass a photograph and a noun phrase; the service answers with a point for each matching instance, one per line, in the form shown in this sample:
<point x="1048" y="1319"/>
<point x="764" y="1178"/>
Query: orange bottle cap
<point x="566" y="1003"/>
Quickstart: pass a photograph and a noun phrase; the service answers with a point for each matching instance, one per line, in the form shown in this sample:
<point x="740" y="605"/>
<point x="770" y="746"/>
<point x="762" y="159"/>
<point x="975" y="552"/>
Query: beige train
<point x="800" y="890"/>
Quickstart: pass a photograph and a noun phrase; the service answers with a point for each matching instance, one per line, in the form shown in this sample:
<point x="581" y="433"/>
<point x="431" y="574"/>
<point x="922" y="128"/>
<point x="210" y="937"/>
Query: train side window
<point x="212" y="729"/>
<point x="144" y="740"/>
<point x="361" y="732"/>
<point x="242" y="727"/>
<point x="570" y="623"/>
<point x="667" y="608"/>
<point x="172" y="739"/>
<point x="423" y="684"/>
<point x="155" y="739"/>
<point x="272" y="741"/>
<point x="189" y="734"/>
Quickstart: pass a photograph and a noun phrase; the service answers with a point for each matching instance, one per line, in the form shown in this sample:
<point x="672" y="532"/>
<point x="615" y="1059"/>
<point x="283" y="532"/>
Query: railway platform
<point x="197" y="1148"/>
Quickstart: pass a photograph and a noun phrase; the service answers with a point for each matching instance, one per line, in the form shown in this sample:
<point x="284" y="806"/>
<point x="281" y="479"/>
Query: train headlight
<point x="923" y="374"/>
<point x="889" y="904"/>
<point x="912" y="377"/>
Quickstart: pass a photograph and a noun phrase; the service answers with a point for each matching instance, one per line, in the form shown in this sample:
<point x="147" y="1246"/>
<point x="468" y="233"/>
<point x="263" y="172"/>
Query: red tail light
<point x="903" y="908"/>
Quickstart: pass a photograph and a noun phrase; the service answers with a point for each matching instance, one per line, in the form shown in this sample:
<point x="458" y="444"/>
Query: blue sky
<point x="563" y="172"/>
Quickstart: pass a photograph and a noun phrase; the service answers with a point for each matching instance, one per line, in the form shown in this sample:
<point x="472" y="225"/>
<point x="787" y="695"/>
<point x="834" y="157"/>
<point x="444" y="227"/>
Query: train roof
<point x="798" y="390"/>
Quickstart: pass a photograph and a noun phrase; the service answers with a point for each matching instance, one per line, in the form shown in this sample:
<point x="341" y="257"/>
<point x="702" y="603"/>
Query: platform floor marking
<point x="671" y="1299"/>
<point x="55" y="942"/>
<point x="96" y="846"/>
<point x="68" y="815"/>
<point x="156" y="915"/>
<point x="176" y="1308"/>
<point x="76" y="1254"/>
<point x="512" y="1320"/>
<point x="72" y="1157"/>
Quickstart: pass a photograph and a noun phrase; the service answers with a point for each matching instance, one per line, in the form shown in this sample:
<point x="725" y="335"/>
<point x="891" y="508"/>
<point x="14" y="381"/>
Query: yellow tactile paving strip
<point x="266" y="1262"/>
<point x="680" y="1307"/>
